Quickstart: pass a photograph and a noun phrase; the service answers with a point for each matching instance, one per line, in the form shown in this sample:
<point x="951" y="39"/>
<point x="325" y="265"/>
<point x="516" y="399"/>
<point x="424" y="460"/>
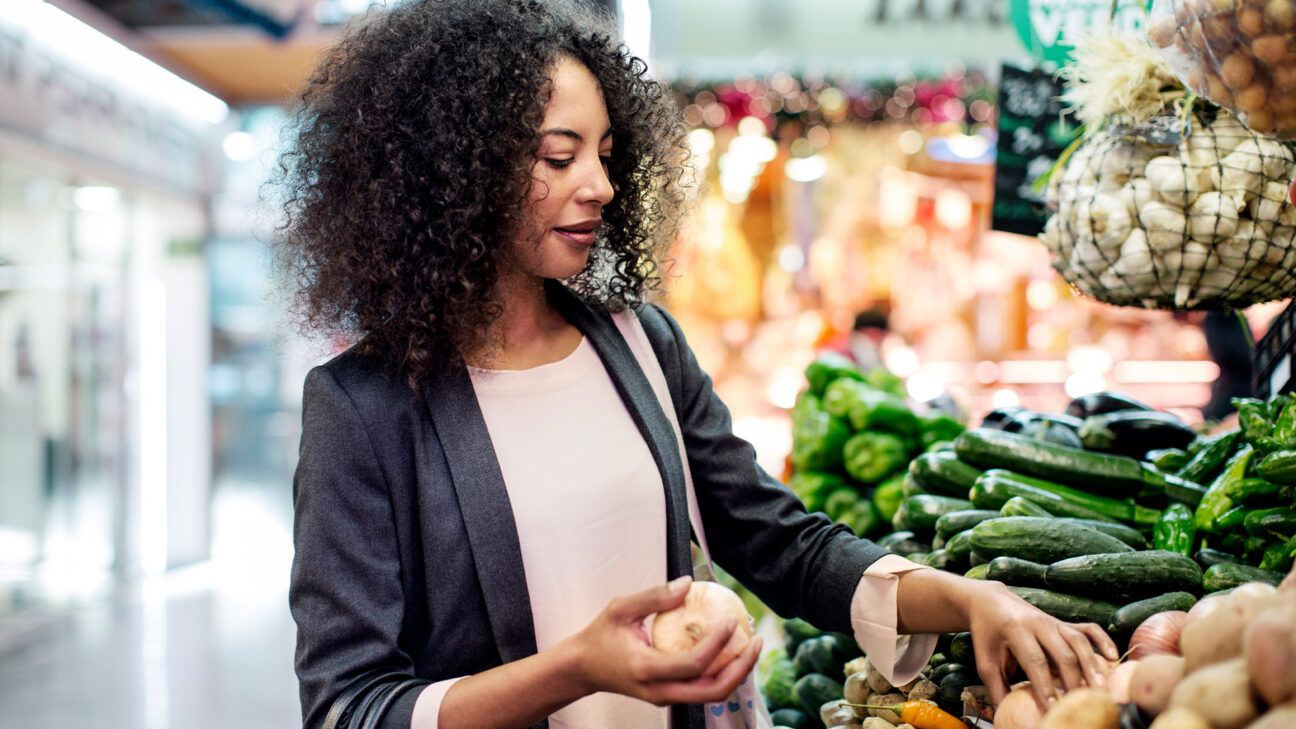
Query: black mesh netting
<point x="1203" y="224"/>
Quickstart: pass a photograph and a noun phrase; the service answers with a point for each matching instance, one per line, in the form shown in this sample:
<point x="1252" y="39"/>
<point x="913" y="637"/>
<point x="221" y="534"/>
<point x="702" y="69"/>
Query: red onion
<point x="1158" y="634"/>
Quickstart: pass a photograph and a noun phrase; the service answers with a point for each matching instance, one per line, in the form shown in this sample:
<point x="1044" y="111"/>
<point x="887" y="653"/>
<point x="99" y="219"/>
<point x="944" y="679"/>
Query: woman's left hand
<point x="1008" y="632"/>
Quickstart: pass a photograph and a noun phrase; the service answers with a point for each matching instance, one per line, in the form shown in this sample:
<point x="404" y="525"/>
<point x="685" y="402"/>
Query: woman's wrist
<point x="571" y="666"/>
<point x="932" y="601"/>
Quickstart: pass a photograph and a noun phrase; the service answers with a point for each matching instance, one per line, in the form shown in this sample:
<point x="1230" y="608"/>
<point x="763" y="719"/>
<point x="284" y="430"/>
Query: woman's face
<point x="569" y="184"/>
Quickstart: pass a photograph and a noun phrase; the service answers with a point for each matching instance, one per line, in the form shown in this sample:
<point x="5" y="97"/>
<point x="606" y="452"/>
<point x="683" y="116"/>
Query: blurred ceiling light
<point x="986" y="372"/>
<point x="806" y="169"/>
<point x="1085" y="384"/>
<point x="791" y="258"/>
<point x="782" y="391"/>
<point x="762" y="148"/>
<point x="1005" y="398"/>
<point x="701" y="141"/>
<point x="751" y="126"/>
<point x="636" y="27"/>
<point x="1089" y="360"/>
<point x="88" y="49"/>
<point x="968" y="146"/>
<point x="901" y="360"/>
<point x="925" y="387"/>
<point x="910" y="141"/>
<point x="239" y="146"/>
<point x="1041" y="295"/>
<point x="96" y="199"/>
<point x="953" y="209"/>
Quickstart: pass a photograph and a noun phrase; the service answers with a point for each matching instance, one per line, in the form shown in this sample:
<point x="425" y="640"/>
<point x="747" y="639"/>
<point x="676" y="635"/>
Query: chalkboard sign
<point x="1032" y="135"/>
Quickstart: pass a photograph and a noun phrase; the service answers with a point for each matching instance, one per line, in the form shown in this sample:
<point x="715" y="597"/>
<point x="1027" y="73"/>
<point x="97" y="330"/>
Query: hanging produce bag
<point x="1167" y="203"/>
<point x="1239" y="54"/>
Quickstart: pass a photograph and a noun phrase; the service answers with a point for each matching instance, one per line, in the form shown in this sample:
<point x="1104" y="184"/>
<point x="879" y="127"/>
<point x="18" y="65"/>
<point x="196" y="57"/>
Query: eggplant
<point x="1101" y="403"/>
<point x="1047" y="427"/>
<point x="997" y="417"/>
<point x="1135" y="432"/>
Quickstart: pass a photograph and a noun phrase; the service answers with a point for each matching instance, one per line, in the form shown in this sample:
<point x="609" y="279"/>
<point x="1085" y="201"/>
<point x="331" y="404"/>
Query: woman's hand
<point x="614" y="654"/>
<point x="1008" y="632"/>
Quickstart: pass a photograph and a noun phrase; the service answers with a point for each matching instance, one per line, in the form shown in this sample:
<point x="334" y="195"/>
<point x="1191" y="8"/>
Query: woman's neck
<point x="529" y="332"/>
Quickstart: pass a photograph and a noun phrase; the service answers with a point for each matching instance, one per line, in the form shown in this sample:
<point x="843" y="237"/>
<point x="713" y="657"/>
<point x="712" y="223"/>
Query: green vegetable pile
<point x="853" y="435"/>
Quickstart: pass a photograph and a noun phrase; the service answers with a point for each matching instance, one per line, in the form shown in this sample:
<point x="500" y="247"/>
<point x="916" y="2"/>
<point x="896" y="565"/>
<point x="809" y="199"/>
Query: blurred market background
<point x="150" y="392"/>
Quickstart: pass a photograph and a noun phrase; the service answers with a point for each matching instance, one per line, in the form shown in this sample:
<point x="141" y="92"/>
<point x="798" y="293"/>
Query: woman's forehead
<point x="576" y="99"/>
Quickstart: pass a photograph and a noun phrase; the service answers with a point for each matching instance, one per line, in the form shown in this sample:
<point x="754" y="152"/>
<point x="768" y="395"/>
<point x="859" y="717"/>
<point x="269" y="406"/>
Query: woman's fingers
<point x="659" y="666"/>
<point x="1026" y="648"/>
<point x="1090" y="663"/>
<point x="710" y="688"/>
<point x="992" y="673"/>
<point x="1062" y="654"/>
<point x="1099" y="639"/>
<point x="637" y="606"/>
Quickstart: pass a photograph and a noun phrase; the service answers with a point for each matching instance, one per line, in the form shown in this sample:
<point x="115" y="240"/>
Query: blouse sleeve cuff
<point x="899" y="658"/>
<point x="427" y="709"/>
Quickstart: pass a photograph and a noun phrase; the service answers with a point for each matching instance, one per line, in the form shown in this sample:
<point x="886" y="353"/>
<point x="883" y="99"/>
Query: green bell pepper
<point x="938" y="427"/>
<point x="888" y="496"/>
<point x="840" y="501"/>
<point x="817" y="437"/>
<point x="872" y="456"/>
<point x="828" y="367"/>
<point x="1216" y="501"/>
<point x="1175" y="531"/>
<point x="813" y="487"/>
<point x="880" y="378"/>
<point x="1209" y="457"/>
<point x="862" y="518"/>
<point x="1254" y="418"/>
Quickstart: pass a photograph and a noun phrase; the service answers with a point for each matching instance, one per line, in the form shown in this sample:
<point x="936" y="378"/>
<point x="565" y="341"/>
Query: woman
<point x="490" y="497"/>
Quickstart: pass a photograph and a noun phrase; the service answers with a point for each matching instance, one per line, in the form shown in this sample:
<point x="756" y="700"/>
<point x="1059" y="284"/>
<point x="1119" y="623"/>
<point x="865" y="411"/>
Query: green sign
<point x="1050" y="28"/>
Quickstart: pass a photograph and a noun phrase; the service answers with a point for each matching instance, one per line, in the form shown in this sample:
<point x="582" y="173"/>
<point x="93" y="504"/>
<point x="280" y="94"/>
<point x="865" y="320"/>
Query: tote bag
<point x="744" y="708"/>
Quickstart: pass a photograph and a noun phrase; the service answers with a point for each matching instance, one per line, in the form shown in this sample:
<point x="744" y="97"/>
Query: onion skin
<point x="1118" y="681"/>
<point x="1158" y="634"/>
<point x="1018" y="710"/>
<point x="705" y="609"/>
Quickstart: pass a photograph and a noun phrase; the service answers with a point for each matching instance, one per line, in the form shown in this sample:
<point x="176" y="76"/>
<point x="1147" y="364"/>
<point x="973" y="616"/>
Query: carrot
<point x="919" y="714"/>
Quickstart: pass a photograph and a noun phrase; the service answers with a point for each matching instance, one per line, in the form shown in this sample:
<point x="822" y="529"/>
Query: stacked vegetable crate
<point x="853" y="436"/>
<point x="1146" y="516"/>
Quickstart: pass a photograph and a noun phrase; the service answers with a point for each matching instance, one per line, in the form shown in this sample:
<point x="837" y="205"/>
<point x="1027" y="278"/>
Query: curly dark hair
<point x="409" y="162"/>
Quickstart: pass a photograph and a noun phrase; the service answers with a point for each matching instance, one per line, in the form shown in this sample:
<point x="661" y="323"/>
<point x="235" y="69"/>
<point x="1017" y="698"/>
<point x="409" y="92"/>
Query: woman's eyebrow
<point x="573" y="134"/>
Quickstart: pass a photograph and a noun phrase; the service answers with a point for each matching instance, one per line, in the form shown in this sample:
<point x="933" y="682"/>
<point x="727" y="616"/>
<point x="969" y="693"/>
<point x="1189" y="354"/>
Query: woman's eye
<point x="558" y="163"/>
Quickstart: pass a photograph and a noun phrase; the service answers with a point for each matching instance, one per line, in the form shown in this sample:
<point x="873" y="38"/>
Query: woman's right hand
<point x="615" y="654"/>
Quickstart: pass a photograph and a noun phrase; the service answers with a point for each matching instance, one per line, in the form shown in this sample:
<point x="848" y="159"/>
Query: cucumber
<point x="978" y="572"/>
<point x="815" y="690"/>
<point x="1210" y="457"/>
<point x="919" y="513"/>
<point x="819" y="655"/>
<point x="792" y="719"/>
<point x="939" y="673"/>
<point x="1129" y="535"/>
<point x="1208" y="558"/>
<point x="1070" y="608"/>
<point x="939" y="559"/>
<point x="959" y="548"/>
<point x="976" y="558"/>
<point x="797" y="632"/>
<point x="1111" y="475"/>
<point x="1045" y="540"/>
<point x="1226" y="576"/>
<point x="903" y="543"/>
<point x="1251" y="490"/>
<point x="1169" y="460"/>
<point x="953" y="523"/>
<point x="961" y="650"/>
<point x="1020" y="506"/>
<point x="1134" y="575"/>
<point x="943" y="473"/>
<point x="1277" y="523"/>
<point x="1016" y="572"/>
<point x="997" y="486"/>
<point x="1130" y="616"/>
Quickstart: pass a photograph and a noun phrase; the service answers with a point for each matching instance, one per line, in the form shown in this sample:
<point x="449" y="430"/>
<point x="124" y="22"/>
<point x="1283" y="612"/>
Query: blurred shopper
<point x="1232" y="348"/>
<point x="492" y="493"/>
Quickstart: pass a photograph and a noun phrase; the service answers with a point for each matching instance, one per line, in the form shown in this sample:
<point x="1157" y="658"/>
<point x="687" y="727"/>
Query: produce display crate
<point x="1273" y="356"/>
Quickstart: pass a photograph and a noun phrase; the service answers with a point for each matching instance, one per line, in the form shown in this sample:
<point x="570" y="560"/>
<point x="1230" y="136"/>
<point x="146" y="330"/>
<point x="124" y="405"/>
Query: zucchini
<point x="1135" y="432"/>
<point x="996" y="487"/>
<point x="1101" y="403"/>
<point x="1169" y="460"/>
<point x="1227" y="575"/>
<point x="938" y="558"/>
<point x="1130" y="616"/>
<point x="1130" y="575"/>
<point x="1046" y="540"/>
<point x="1252" y="490"/>
<point x="1210" y="557"/>
<point x="1016" y="572"/>
<point x="976" y="558"/>
<point x="1021" y="506"/>
<point x="1210" y="458"/>
<point x="903" y="543"/>
<point x="814" y="690"/>
<point x="977" y="572"/>
<point x="1276" y="523"/>
<point x="1232" y="520"/>
<point x="1183" y="491"/>
<point x="943" y="473"/>
<point x="1129" y="535"/>
<point x="919" y="513"/>
<point x="1176" y="531"/>
<point x="1070" y="608"/>
<point x="1113" y="475"/>
<point x="959" y="548"/>
<point x="953" y="523"/>
<point x="1279" y="466"/>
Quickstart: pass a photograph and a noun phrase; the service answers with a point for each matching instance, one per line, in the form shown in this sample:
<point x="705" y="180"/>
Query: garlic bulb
<point x="1213" y="215"/>
<point x="1171" y="181"/>
<point x="1166" y="226"/>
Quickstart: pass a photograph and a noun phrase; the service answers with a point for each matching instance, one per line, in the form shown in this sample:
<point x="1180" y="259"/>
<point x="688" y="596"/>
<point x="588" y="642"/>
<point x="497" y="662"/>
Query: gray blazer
<point x="407" y="558"/>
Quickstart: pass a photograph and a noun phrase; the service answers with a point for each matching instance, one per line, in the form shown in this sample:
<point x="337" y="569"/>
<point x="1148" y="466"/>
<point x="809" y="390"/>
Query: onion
<point x="1118" y="681"/>
<point x="1018" y="710"/>
<point x="706" y="608"/>
<point x="1204" y="607"/>
<point x="1158" y="634"/>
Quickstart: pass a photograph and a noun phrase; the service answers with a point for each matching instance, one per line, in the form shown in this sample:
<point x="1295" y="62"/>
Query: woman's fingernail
<point x="679" y="583"/>
<point x="731" y="624"/>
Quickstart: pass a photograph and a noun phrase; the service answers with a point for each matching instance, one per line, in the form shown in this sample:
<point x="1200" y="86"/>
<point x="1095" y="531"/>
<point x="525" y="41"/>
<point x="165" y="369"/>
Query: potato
<point x="1269" y="644"/>
<point x="1252" y="98"/>
<point x="1280" y="15"/>
<point x="1270" y="48"/>
<point x="1279" y="717"/>
<point x="1219" y="693"/>
<point x="1251" y="21"/>
<point x="874" y="722"/>
<point x="856" y="690"/>
<point x="1178" y="718"/>
<point x="1237" y="71"/>
<point x="1084" y="708"/>
<point x="1153" y="680"/>
<point x="877" y="681"/>
<point x="858" y="665"/>
<point x="1118" y="681"/>
<point x="1218" y="636"/>
<point x="1018" y="710"/>
<point x="886" y="700"/>
<point x="924" y="689"/>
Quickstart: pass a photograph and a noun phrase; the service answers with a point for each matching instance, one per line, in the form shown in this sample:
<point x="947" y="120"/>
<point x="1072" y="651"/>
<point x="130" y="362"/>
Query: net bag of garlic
<point x="1166" y="203"/>
<point x="1240" y="54"/>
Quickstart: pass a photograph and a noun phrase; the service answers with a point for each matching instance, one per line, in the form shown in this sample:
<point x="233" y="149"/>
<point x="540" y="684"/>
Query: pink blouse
<point x="590" y="514"/>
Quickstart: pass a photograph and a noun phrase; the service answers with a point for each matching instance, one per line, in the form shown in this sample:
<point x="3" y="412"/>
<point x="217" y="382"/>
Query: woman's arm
<point x="611" y="654"/>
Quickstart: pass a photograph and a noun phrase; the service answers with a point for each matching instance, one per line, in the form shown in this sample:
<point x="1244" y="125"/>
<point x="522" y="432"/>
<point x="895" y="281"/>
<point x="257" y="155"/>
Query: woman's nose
<point x="597" y="186"/>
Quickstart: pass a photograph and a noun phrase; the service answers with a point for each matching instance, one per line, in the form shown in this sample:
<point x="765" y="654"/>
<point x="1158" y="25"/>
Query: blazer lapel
<point x="487" y="512"/>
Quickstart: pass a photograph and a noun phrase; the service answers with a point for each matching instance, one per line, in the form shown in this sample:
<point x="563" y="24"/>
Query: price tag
<point x="1032" y="134"/>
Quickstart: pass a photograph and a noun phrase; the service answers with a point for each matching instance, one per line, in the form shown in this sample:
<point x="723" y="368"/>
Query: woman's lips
<point x="580" y="238"/>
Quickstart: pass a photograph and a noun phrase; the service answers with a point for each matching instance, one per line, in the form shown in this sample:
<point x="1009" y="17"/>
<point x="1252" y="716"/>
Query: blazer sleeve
<point x="799" y="564"/>
<point x="345" y="592"/>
